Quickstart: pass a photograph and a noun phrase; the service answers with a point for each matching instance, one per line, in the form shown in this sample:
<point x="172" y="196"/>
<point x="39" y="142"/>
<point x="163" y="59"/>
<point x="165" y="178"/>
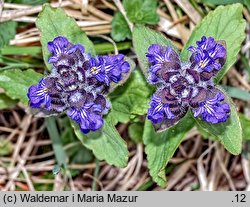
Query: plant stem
<point x="97" y="168"/>
<point x="56" y="141"/>
<point x="35" y="50"/>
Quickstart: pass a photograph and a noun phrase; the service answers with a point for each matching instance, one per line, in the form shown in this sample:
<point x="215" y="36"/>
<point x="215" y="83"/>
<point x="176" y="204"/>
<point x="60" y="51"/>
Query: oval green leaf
<point x="106" y="144"/>
<point x="229" y="133"/>
<point x="224" y="23"/>
<point x="16" y="83"/>
<point x="131" y="99"/>
<point x="143" y="37"/>
<point x="160" y="147"/>
<point x="53" y="22"/>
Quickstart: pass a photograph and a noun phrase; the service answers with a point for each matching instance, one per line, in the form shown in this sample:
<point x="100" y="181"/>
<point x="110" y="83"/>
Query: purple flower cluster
<point x="78" y="84"/>
<point x="186" y="85"/>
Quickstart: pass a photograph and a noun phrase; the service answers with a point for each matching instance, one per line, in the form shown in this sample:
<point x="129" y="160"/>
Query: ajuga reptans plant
<point x="189" y="85"/>
<point x="78" y="84"/>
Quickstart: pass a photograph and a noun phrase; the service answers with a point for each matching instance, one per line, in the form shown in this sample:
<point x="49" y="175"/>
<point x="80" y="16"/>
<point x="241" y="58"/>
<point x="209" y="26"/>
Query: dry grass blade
<point x="58" y="183"/>
<point x="246" y="14"/>
<point x="189" y="9"/>
<point x="13" y="14"/>
<point x="179" y="173"/>
<point x="21" y="163"/>
<point x="167" y="27"/>
<point x="201" y="170"/>
<point x="94" y="179"/>
<point x="184" y="33"/>
<point x="246" y="171"/>
<point x="238" y="76"/>
<point x="222" y="165"/>
<point x="28" y="179"/>
<point x="108" y="5"/>
<point x="1" y="8"/>
<point x="128" y="182"/>
<point x="99" y="13"/>
<point x="24" y="128"/>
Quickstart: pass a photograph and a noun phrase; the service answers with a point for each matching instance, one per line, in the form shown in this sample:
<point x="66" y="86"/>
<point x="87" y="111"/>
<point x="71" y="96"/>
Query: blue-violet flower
<point x="39" y="96"/>
<point x="186" y="85"/>
<point x="78" y="84"/>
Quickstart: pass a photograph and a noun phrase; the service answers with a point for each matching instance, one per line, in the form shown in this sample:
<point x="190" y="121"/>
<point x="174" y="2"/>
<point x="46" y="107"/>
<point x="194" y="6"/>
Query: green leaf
<point x="6" y="102"/>
<point x="16" y="83"/>
<point x="28" y="2"/>
<point x="6" y="146"/>
<point x="104" y="48"/>
<point x="160" y="147"/>
<point x="131" y="99"/>
<point x="247" y="3"/>
<point x="7" y="32"/>
<point x="135" y="131"/>
<point x="53" y="23"/>
<point x="245" y="123"/>
<point x="228" y="133"/>
<point x="120" y="29"/>
<point x="101" y="48"/>
<point x="224" y="23"/>
<point x="224" y="2"/>
<point x="205" y="134"/>
<point x="141" y="11"/>
<point x="106" y="144"/>
<point x="237" y="93"/>
<point x="142" y="39"/>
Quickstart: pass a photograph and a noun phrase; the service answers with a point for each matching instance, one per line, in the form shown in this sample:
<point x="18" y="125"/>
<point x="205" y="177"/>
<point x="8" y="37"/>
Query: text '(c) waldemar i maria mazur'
<point x="78" y="198"/>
